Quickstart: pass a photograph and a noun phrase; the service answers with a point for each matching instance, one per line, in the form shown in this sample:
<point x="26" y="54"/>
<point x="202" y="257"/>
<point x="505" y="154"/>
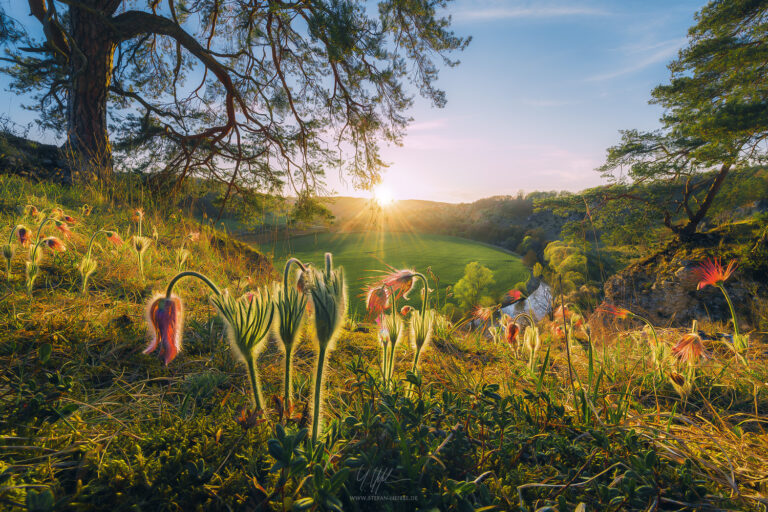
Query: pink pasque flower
<point x="377" y="300"/>
<point x="690" y="349"/>
<point x="401" y="281"/>
<point x="64" y="229"/>
<point x="511" y="331"/>
<point x="113" y="237"/>
<point x="25" y="236"/>
<point x="165" y="318"/>
<point x="54" y="244"/>
<point x="712" y="273"/>
<point x="616" y="311"/>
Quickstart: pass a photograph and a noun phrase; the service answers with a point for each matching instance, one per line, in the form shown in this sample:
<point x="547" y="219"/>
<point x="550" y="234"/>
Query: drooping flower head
<point x="515" y="295"/>
<point x="63" y="228"/>
<point x="405" y="310"/>
<point x="377" y="300"/>
<point x="25" y="236"/>
<point x="69" y="219"/>
<point x="165" y="317"/>
<point x="401" y="282"/>
<point x="677" y="378"/>
<point x="57" y="213"/>
<point x="616" y="311"/>
<point x="511" y="331"/>
<point x="484" y="314"/>
<point x="113" y="237"/>
<point x="711" y="272"/>
<point x="31" y="210"/>
<point x="54" y="244"/>
<point x="690" y="349"/>
<point x="138" y="215"/>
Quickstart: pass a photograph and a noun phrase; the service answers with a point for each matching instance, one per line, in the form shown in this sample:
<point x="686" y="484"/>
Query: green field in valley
<point x="363" y="254"/>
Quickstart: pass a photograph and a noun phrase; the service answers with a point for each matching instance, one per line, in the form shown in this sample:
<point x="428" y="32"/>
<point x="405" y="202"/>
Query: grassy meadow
<point x="365" y="255"/>
<point x="90" y="422"/>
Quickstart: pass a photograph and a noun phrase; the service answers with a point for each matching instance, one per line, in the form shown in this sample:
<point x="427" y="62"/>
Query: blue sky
<point x="541" y="92"/>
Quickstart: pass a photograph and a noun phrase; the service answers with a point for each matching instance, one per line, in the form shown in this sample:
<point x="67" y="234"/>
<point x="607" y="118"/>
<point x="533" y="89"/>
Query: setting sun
<point x="383" y="196"/>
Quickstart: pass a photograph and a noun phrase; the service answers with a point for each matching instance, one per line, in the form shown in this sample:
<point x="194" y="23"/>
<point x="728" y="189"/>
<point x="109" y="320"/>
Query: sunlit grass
<point x="363" y="253"/>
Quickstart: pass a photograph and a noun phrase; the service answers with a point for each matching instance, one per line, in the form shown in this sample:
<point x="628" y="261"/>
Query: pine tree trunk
<point x="91" y="73"/>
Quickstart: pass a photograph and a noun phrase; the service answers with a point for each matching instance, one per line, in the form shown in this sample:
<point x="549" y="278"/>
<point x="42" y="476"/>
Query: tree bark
<point x="689" y="230"/>
<point x="91" y="74"/>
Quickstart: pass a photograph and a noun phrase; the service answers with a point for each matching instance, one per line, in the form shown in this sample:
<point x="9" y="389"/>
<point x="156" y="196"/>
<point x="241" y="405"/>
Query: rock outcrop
<point x="663" y="286"/>
<point x="32" y="159"/>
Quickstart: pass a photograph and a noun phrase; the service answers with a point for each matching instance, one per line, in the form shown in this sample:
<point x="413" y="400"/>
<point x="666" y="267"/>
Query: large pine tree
<point x="244" y="91"/>
<point x="715" y="120"/>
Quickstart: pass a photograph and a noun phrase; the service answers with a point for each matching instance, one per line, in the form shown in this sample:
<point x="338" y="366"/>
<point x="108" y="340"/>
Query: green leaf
<point x="44" y="352"/>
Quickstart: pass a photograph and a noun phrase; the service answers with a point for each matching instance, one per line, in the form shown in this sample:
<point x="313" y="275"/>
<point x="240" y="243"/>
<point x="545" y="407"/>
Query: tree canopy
<point x="715" y="117"/>
<point x="246" y="92"/>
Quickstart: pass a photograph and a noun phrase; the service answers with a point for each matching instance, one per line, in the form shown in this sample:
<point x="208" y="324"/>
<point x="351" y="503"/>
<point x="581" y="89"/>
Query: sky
<point x="541" y="92"/>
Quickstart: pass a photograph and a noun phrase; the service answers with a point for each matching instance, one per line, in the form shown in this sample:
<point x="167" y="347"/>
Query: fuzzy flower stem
<point x="318" y="392"/>
<point x="13" y="232"/>
<point x="253" y="379"/>
<point x="733" y="311"/>
<point x="190" y="273"/>
<point x="394" y="320"/>
<point x="288" y="377"/>
<point x="425" y="301"/>
<point x="288" y="269"/>
<point x="37" y="237"/>
<point x="93" y="237"/>
<point x="528" y="317"/>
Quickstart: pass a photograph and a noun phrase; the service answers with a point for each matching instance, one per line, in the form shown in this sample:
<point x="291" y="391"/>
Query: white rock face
<point x="537" y="304"/>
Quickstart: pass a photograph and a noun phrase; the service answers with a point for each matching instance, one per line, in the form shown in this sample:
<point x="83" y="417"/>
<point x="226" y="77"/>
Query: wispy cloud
<point x="542" y="12"/>
<point x="427" y="125"/>
<point x="641" y="59"/>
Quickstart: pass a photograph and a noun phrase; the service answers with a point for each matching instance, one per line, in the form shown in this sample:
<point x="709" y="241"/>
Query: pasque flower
<point x="377" y="300"/>
<point x="712" y="273"/>
<point x="511" y="331"/>
<point x="328" y="291"/>
<point x="64" y="229"/>
<point x="690" y="349"/>
<point x="54" y="244"/>
<point x="421" y="332"/>
<point x="291" y="304"/>
<point x="8" y="249"/>
<point x="8" y="256"/>
<point x="616" y="311"/>
<point x="141" y="244"/>
<point x="89" y="264"/>
<point x="25" y="236"/>
<point x="114" y="237"/>
<point x="248" y="320"/>
<point x="399" y="281"/>
<point x="165" y="316"/>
